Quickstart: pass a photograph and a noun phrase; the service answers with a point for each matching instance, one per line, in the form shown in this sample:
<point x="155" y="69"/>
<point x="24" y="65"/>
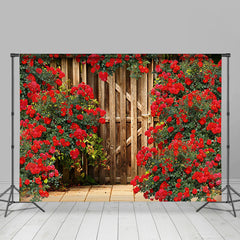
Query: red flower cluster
<point x="54" y="122"/>
<point x="184" y="162"/>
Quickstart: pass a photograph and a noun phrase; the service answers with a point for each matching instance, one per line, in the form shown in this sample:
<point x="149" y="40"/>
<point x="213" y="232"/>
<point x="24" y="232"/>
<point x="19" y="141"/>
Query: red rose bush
<point x="55" y="123"/>
<point x="183" y="156"/>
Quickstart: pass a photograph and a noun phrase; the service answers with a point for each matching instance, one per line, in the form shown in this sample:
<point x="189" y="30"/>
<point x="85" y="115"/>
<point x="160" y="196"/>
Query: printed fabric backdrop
<point x="120" y="127"/>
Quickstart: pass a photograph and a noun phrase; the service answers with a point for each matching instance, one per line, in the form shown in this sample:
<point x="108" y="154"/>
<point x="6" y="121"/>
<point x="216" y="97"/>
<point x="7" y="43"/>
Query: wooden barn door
<point x="127" y="104"/>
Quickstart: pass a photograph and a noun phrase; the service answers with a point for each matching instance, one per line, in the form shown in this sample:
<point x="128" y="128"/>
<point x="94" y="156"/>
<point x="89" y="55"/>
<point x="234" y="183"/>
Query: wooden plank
<point x="53" y="64"/>
<point x="64" y="68"/>
<point x="90" y="225"/>
<point x="129" y="97"/>
<point x="101" y="99"/>
<point x="224" y="212"/>
<point x="167" y="230"/>
<point x="14" y="212"/>
<point x="128" y="229"/>
<point x="84" y="73"/>
<point x="112" y="115"/>
<point x="54" y="223"/>
<point x="123" y="126"/>
<point x="144" y="102"/>
<point x="73" y="221"/>
<point x="133" y="127"/>
<point x="12" y="227"/>
<point x="185" y="228"/>
<point x="76" y="76"/>
<point x="29" y="230"/>
<point x="226" y="230"/>
<point x="128" y="142"/>
<point x="150" y="87"/>
<point x="128" y="119"/>
<point x="146" y="225"/>
<point x="108" y="228"/>
<point x="206" y="230"/>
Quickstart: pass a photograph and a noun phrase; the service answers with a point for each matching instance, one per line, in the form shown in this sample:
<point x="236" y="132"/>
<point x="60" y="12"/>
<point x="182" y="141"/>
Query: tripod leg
<point x="202" y="206"/>
<point x="5" y="191"/>
<point x="224" y="189"/>
<point x="16" y="189"/>
<point x="38" y="207"/>
<point x="8" y="203"/>
<point x="235" y="191"/>
<point x="230" y="196"/>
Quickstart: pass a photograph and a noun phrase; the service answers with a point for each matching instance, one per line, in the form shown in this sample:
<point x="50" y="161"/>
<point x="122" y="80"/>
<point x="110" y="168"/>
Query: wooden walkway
<point x="97" y="193"/>
<point x="119" y="220"/>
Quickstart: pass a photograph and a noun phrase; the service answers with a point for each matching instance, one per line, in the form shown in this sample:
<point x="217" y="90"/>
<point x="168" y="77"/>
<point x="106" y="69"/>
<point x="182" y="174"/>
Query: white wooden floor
<point x="119" y="220"/>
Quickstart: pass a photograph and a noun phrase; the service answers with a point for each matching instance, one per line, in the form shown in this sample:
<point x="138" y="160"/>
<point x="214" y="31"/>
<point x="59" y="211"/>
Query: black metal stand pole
<point x="228" y="187"/>
<point x="12" y="187"/>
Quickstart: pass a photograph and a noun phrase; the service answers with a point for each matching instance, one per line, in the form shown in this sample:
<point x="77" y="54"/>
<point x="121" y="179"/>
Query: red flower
<point x="170" y="129"/>
<point x="22" y="160"/>
<point x="205" y="189"/>
<point x="154" y="169"/>
<point x="61" y="131"/>
<point x="158" y="68"/>
<point x="126" y="58"/>
<point x="209" y="142"/>
<point x="136" y="190"/>
<point x="194" y="191"/>
<point x="59" y="82"/>
<point x="40" y="61"/>
<point x="178" y="185"/>
<point x="188" y="170"/>
<point x="27" y="182"/>
<point x="80" y="117"/>
<point x="102" y="120"/>
<point x="188" y="81"/>
<point x="156" y="178"/>
<point x="74" y="154"/>
<point x="38" y="181"/>
<point x="103" y="76"/>
<point x="150" y="140"/>
<point x="200" y="64"/>
<point x="47" y="120"/>
<point x="202" y="121"/>
<point x="39" y="70"/>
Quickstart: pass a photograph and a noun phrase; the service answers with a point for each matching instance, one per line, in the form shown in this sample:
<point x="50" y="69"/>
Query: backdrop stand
<point x="12" y="187"/>
<point x="228" y="187"/>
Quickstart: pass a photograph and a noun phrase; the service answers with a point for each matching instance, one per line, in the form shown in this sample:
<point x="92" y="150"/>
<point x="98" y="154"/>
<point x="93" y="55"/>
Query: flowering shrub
<point x="55" y="124"/>
<point x="184" y="160"/>
<point x="106" y="64"/>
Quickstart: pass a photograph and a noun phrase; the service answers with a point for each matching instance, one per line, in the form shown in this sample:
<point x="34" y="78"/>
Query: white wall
<point x="119" y="26"/>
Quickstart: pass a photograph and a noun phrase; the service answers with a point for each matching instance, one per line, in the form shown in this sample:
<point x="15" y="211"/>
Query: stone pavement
<point x="100" y="193"/>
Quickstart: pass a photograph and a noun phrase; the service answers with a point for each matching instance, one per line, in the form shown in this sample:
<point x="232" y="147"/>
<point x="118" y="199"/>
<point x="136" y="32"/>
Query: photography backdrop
<point x="208" y="27"/>
<point x="149" y="119"/>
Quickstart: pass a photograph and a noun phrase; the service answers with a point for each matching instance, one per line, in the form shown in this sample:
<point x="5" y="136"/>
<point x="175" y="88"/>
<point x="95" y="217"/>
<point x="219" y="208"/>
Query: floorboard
<point x="108" y="228"/>
<point x="146" y="224"/>
<point x="90" y="225"/>
<point x="128" y="229"/>
<point x="73" y="222"/>
<point x="119" y="221"/>
<point x="223" y="227"/>
<point x="50" y="228"/>
<point x="29" y="230"/>
<point x="185" y="228"/>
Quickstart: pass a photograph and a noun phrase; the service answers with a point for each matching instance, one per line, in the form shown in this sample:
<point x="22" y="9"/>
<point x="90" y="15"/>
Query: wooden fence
<point x="127" y="105"/>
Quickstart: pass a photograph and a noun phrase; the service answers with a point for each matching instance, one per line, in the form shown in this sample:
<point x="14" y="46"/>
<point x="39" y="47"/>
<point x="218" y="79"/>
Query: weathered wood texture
<point x="128" y="115"/>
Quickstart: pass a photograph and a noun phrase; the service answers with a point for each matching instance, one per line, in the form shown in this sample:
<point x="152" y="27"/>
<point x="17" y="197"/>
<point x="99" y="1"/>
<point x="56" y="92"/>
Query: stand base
<point x="229" y="198"/>
<point x="10" y="200"/>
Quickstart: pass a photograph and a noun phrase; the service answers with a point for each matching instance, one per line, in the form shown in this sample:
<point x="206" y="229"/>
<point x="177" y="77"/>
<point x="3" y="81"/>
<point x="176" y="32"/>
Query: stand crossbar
<point x="12" y="187"/>
<point x="228" y="187"/>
